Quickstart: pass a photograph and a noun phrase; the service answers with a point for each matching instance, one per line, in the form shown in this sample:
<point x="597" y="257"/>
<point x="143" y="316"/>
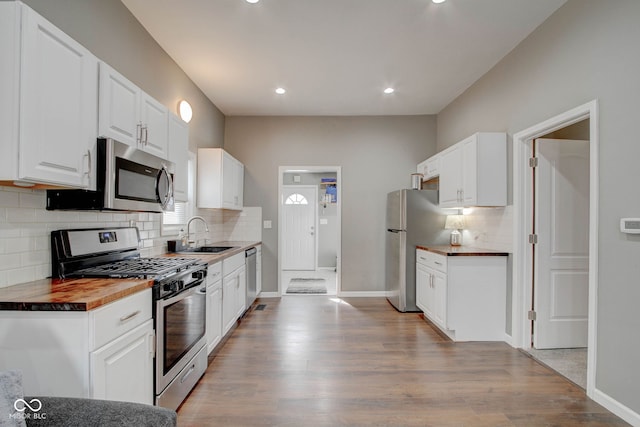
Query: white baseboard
<point x="617" y="408"/>
<point x="508" y="339"/>
<point x="366" y="294"/>
<point x="269" y="295"/>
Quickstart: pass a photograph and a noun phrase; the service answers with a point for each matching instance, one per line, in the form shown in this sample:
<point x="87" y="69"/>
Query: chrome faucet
<point x="206" y="227"/>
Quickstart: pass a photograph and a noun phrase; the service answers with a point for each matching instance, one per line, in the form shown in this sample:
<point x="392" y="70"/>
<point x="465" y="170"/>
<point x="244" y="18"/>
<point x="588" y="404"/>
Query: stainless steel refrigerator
<point x="413" y="218"/>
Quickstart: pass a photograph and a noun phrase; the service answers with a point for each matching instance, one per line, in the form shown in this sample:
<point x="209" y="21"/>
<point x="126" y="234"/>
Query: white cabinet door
<point x="451" y="177"/>
<point x="214" y="315"/>
<point x="154" y="117"/>
<point x="119" y="107"/>
<point x="232" y="181"/>
<point x="242" y="292"/>
<point x="220" y="180"/>
<point x="58" y="101"/>
<point x="474" y="172"/>
<point x="258" y="270"/>
<point x="469" y="191"/>
<point x="439" y="296"/>
<point x="422" y="285"/>
<point x="129" y="115"/>
<point x="229" y="301"/>
<point x="229" y="178"/>
<point x="179" y="154"/>
<point x="239" y="184"/>
<point x="123" y="369"/>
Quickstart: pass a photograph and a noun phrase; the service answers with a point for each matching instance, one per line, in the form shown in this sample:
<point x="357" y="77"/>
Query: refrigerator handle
<point x="394" y="230"/>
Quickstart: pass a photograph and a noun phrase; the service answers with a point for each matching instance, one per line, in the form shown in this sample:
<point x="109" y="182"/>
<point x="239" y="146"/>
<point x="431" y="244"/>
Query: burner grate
<point x="139" y="267"/>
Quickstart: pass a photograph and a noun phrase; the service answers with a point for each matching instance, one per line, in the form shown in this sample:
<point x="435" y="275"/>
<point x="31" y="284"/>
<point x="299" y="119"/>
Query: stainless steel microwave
<point x="128" y="179"/>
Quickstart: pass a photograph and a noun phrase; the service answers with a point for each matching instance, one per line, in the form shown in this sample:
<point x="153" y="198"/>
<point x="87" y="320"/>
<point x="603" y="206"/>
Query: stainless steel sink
<point x="207" y="249"/>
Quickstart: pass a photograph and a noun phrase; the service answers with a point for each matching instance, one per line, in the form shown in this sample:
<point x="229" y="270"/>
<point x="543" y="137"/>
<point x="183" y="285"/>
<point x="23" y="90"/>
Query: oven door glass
<point x="184" y="325"/>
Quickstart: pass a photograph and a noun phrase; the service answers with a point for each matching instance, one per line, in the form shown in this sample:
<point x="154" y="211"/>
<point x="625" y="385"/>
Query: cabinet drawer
<point x="112" y="320"/>
<point x="214" y="273"/>
<point x="233" y="263"/>
<point x="435" y="261"/>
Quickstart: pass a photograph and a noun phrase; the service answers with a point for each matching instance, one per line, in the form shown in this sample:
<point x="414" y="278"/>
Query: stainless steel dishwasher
<point x="250" y="264"/>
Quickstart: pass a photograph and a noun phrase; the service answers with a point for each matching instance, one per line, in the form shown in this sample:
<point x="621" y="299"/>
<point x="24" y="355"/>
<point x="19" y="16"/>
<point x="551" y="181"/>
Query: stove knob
<point x="167" y="287"/>
<point x="198" y="274"/>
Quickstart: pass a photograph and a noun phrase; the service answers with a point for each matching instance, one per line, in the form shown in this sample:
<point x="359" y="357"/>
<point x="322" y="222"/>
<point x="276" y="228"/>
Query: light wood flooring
<point x="324" y="361"/>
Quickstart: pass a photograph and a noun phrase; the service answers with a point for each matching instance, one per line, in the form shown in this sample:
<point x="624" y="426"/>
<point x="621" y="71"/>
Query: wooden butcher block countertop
<point x="89" y="293"/>
<point x="68" y="294"/>
<point x="461" y="251"/>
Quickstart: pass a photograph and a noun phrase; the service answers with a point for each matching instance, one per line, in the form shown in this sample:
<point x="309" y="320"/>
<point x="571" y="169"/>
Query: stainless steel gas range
<point x="179" y="294"/>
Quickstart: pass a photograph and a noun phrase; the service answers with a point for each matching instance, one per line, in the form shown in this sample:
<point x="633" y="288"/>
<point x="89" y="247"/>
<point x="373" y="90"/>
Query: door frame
<point x="312" y="169"/>
<point x="315" y="218"/>
<point x="522" y="204"/>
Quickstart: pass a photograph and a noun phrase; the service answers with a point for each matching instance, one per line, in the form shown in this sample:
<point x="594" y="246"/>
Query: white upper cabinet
<point x="48" y="105"/>
<point x="154" y="118"/>
<point x="220" y="180"/>
<point x="179" y="155"/>
<point x="430" y="168"/>
<point x="129" y="115"/>
<point x="474" y="172"/>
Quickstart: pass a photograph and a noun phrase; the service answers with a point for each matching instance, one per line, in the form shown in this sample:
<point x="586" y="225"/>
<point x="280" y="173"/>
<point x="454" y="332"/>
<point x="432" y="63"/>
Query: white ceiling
<point x="335" y="57"/>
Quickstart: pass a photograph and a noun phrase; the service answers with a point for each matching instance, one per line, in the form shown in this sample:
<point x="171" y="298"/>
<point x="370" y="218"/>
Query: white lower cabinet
<point x="106" y="353"/>
<point x="115" y="364"/>
<point x="258" y="270"/>
<point x="464" y="296"/>
<point x="214" y="306"/>
<point x="234" y="290"/>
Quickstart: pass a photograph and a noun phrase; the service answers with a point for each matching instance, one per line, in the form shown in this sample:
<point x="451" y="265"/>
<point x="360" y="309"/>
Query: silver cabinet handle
<point x="146" y="135"/>
<point x="437" y="263"/>
<point x="139" y="133"/>
<point x="129" y="316"/>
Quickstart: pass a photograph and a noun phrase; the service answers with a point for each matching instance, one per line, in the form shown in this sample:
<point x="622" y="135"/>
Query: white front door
<point x="299" y="204"/>
<point x="561" y="273"/>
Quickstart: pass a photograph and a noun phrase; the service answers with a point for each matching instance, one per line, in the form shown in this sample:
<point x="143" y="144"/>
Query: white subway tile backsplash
<point x="21" y="215"/>
<point x="25" y="230"/>
<point x="9" y="261"/>
<point x="9" y="199"/>
<point x="21" y="275"/>
<point x="33" y="200"/>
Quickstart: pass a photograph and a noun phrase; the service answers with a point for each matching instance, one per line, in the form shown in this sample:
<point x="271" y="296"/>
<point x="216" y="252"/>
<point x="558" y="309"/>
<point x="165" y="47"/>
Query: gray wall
<point x="588" y="49"/>
<point x="377" y="155"/>
<point x="107" y="28"/>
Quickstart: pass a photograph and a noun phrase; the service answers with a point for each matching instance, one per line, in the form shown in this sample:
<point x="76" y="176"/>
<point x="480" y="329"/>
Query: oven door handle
<point x="181" y="295"/>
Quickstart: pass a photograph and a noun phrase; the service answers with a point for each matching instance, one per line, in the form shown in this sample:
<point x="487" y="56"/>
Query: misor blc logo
<point x="34" y="405"/>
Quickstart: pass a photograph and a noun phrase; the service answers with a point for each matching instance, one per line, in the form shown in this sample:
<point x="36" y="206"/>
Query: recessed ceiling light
<point x="252" y="1"/>
<point x="389" y="90"/>
<point x="281" y="91"/>
<point x="435" y="1"/>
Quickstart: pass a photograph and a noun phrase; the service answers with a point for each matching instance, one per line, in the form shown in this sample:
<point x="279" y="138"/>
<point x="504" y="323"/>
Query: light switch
<point x="267" y="224"/>
<point x="324" y="221"/>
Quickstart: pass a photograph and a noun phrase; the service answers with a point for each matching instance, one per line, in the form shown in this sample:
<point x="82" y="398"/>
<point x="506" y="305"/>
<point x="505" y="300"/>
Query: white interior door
<point x="299" y="204"/>
<point x="561" y="284"/>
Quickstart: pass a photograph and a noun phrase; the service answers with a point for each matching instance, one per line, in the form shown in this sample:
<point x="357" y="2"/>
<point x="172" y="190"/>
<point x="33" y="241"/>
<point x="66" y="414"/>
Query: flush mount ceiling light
<point x="185" y="111"/>
<point x="435" y="1"/>
<point x="389" y="90"/>
<point x="281" y="91"/>
<point x="252" y="1"/>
